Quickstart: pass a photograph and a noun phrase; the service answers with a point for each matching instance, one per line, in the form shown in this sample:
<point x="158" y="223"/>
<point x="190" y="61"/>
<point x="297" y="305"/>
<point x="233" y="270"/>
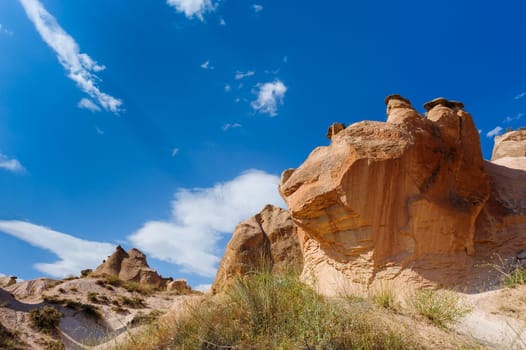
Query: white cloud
<point x="175" y="151"/>
<point x="228" y="87"/>
<point x="521" y="95"/>
<point x="510" y="119"/>
<point x="79" y="66"/>
<point x="240" y="75"/>
<point x="201" y="216"/>
<point x="207" y="65"/>
<point x="75" y="254"/>
<point x="229" y="126"/>
<point x="88" y="104"/>
<point x="192" y="8"/>
<point x="494" y="132"/>
<point x="257" y="8"/>
<point x="203" y="287"/>
<point x="269" y="96"/>
<point x="12" y="165"/>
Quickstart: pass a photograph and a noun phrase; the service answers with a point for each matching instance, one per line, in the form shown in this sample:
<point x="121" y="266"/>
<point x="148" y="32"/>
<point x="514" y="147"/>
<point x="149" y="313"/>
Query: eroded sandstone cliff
<point x="401" y="199"/>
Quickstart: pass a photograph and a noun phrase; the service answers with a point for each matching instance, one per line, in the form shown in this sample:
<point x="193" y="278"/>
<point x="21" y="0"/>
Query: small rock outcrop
<point x="399" y="199"/>
<point x="130" y="266"/>
<point x="269" y="237"/>
<point x="7" y="281"/>
<point x="511" y="144"/>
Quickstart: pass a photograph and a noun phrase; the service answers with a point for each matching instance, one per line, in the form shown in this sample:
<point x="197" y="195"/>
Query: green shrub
<point x="515" y="278"/>
<point x="45" y="319"/>
<point x="440" y="307"/>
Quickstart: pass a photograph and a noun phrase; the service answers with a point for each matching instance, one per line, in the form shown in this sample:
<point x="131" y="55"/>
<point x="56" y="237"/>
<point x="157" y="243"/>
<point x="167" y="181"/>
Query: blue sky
<point x="161" y="124"/>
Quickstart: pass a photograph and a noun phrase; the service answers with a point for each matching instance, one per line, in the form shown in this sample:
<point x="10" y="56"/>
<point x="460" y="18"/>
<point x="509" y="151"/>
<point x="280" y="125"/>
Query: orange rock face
<point x="384" y="198"/>
<point x="268" y="237"/>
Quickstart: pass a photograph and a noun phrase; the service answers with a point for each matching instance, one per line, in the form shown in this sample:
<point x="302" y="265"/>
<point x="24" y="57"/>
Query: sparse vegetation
<point x="133" y="302"/>
<point x="385" y="297"/>
<point x="9" y="340"/>
<point x="265" y="311"/>
<point x="142" y="319"/>
<point x="440" y="307"/>
<point x="515" y="278"/>
<point x="133" y="287"/>
<point x="45" y="319"/>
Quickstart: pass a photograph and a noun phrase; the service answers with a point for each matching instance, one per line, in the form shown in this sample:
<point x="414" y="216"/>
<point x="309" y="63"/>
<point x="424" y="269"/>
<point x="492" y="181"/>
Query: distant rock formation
<point x="269" y="237"/>
<point x="403" y="199"/>
<point x="511" y="144"/>
<point x="7" y="281"/>
<point x="130" y="266"/>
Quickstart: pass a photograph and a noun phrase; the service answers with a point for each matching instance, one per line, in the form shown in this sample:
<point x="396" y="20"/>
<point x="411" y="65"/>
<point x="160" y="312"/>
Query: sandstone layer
<point x="403" y="199"/>
<point x="269" y="239"/>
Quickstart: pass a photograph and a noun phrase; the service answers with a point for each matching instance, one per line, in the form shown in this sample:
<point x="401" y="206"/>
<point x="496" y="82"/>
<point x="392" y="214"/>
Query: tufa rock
<point x="7" y="281"/>
<point x="511" y="144"/>
<point x="386" y="197"/>
<point x="268" y="237"/>
<point x="180" y="286"/>
<point x="334" y="129"/>
<point x="130" y="266"/>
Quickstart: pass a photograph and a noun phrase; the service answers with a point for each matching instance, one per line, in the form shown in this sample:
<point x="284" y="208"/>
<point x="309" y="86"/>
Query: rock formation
<point x="401" y="199"/>
<point x="511" y="144"/>
<point x="130" y="266"/>
<point x="269" y="237"/>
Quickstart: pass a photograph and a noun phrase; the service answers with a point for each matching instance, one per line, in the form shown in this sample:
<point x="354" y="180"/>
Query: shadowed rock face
<point x="130" y="266"/>
<point x="383" y="197"/>
<point x="269" y="237"/>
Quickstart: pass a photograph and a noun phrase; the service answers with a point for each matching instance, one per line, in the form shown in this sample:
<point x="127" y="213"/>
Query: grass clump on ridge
<point x="266" y="311"/>
<point x="440" y="307"/>
<point x="45" y="319"/>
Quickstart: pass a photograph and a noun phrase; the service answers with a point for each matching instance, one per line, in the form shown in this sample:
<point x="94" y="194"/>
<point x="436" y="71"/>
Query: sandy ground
<point x="497" y="318"/>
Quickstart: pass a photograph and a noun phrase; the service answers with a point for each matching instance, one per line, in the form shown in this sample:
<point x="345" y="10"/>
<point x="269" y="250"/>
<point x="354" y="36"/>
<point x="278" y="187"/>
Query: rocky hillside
<point x="122" y="294"/>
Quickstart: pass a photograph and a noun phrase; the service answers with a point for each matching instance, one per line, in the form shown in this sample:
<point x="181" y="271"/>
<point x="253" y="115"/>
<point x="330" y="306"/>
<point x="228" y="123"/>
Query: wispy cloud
<point x="510" y="119"/>
<point x="10" y="164"/>
<point x="241" y="75"/>
<point x="207" y="65"/>
<point x="269" y="96"/>
<point x="201" y="216"/>
<point x="222" y="22"/>
<point x="521" y="95"/>
<point x="229" y="126"/>
<point x="88" y="104"/>
<point x="75" y="254"/>
<point x="257" y="8"/>
<point x="80" y="67"/>
<point x="175" y="151"/>
<point x="494" y="132"/>
<point x="192" y="8"/>
<point x="228" y="87"/>
<point x="99" y="131"/>
<point x="4" y="30"/>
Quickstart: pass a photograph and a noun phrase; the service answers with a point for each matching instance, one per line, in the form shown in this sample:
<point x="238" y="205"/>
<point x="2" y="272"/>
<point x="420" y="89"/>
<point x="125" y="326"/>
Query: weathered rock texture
<point x="511" y="144"/>
<point x="269" y="237"/>
<point x="401" y="199"/>
<point x="130" y="266"/>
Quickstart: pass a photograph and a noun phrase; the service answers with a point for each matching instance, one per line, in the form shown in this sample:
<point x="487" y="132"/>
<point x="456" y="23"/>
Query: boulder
<point x="266" y="240"/>
<point x="384" y="197"/>
<point x="179" y="285"/>
<point x="130" y="266"/>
